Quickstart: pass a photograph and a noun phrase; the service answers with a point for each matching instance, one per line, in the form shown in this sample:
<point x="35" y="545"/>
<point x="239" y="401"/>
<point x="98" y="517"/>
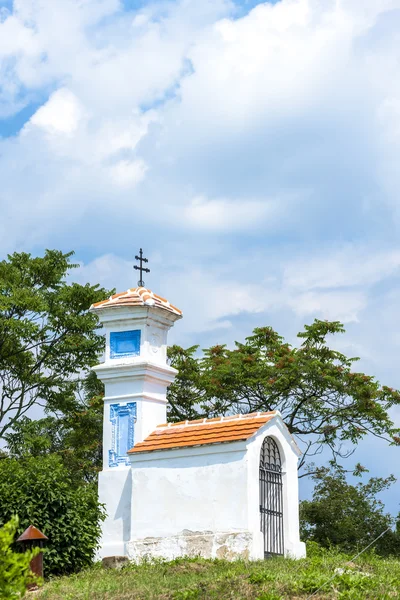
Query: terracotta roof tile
<point x="203" y="431"/>
<point x="137" y="297"/>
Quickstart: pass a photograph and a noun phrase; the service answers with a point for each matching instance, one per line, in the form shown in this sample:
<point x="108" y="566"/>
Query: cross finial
<point x="141" y="268"/>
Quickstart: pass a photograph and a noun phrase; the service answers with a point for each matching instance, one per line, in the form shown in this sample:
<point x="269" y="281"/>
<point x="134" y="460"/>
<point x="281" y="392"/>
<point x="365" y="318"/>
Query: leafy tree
<point x="348" y="516"/>
<point x="188" y="395"/>
<point x="47" y="335"/>
<point x="75" y="435"/>
<point x="15" y="573"/>
<point x="323" y="402"/>
<point x="42" y="492"/>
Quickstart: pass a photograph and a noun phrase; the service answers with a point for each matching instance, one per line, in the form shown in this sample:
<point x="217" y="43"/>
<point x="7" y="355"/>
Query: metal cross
<point x="141" y="268"/>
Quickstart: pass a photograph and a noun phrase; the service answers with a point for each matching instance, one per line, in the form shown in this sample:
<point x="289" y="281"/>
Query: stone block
<point x="115" y="562"/>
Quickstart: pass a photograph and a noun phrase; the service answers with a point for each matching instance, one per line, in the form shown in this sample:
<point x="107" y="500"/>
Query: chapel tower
<point x="136" y="377"/>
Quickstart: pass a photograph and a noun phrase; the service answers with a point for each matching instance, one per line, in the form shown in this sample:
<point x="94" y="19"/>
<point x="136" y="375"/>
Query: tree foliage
<point x="323" y="401"/>
<point x="47" y="335"/>
<point x="348" y="516"/>
<point x="15" y="573"/>
<point x="74" y="434"/>
<point x="42" y="492"/>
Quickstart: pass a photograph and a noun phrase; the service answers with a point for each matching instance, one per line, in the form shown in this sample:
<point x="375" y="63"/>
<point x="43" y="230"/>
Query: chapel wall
<point x="115" y="491"/>
<point x="198" y="491"/>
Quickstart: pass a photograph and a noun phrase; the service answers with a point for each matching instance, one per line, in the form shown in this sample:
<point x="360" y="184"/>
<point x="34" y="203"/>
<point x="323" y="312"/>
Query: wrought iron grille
<point x="271" y="498"/>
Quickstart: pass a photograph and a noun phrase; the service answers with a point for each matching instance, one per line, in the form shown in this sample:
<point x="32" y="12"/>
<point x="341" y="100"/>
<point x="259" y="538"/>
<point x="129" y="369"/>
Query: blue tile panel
<point x="123" y="419"/>
<point x="124" y="343"/>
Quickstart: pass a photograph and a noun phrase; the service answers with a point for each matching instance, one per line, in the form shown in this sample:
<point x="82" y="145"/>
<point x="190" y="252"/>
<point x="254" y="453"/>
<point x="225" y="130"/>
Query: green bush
<point x="347" y="516"/>
<point x="41" y="492"/>
<point x="14" y="566"/>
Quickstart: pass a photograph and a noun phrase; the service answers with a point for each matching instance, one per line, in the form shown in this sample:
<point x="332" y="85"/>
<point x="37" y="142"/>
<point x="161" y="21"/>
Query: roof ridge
<point x="216" y="420"/>
<point x="137" y="296"/>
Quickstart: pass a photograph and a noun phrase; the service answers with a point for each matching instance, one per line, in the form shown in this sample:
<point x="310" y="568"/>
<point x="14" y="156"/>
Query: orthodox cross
<point x="141" y="268"/>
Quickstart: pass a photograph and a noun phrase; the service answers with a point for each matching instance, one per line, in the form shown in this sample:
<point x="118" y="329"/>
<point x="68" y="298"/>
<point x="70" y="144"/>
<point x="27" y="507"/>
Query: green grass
<point x="198" y="579"/>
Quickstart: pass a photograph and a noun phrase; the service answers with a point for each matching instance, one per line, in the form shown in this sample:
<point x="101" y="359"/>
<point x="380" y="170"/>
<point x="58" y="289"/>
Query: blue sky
<point x="250" y="148"/>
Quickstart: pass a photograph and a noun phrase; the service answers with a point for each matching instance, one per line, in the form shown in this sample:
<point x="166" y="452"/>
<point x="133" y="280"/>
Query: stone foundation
<point x="206" y="544"/>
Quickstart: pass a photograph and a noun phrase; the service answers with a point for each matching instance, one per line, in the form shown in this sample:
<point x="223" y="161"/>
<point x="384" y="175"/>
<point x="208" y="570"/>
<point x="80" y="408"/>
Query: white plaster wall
<point x="135" y="376"/>
<point x="201" y="489"/>
<point x="115" y="491"/>
<point x="153" y="413"/>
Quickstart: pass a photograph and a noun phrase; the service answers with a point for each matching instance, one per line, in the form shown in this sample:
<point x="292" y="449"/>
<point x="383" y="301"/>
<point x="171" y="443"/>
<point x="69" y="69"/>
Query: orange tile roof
<point x="139" y="296"/>
<point x="203" y="431"/>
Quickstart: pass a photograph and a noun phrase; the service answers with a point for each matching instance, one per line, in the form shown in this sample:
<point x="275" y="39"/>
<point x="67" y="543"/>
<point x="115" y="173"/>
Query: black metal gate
<point x="271" y="498"/>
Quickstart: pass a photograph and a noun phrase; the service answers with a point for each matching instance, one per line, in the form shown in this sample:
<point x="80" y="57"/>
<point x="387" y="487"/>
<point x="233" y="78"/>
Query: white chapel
<point x="224" y="487"/>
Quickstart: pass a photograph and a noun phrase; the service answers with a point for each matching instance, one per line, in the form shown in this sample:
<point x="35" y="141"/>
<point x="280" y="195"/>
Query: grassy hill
<point x="198" y="579"/>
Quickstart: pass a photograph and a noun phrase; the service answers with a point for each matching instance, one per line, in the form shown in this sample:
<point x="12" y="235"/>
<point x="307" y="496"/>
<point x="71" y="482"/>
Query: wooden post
<point x="33" y="538"/>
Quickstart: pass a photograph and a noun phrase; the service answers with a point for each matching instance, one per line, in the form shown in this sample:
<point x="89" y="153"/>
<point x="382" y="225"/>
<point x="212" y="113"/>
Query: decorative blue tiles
<point x="124" y="343"/>
<point x="123" y="419"/>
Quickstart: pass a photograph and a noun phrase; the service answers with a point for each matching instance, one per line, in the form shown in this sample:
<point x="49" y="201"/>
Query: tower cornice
<point x="136" y="371"/>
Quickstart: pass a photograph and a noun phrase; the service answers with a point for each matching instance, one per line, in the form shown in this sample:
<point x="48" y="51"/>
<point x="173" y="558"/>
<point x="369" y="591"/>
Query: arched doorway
<point x="271" y="498"/>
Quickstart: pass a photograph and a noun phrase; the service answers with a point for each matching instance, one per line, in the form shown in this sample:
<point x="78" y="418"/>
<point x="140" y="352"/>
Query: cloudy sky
<point x="251" y="148"/>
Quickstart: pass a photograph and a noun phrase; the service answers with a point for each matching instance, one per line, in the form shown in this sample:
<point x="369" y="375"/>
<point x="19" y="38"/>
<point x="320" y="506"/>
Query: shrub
<point x="42" y="493"/>
<point x="347" y="516"/>
<point x="14" y="566"/>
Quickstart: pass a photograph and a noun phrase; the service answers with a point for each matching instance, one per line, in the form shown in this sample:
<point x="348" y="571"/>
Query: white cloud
<point x="128" y="173"/>
<point x="15" y="38"/>
<point x="61" y="114"/>
<point x="334" y="306"/>
<point x="252" y="118"/>
<point x="349" y="266"/>
<point x="108" y="270"/>
<point x="228" y="215"/>
<point x="277" y="62"/>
